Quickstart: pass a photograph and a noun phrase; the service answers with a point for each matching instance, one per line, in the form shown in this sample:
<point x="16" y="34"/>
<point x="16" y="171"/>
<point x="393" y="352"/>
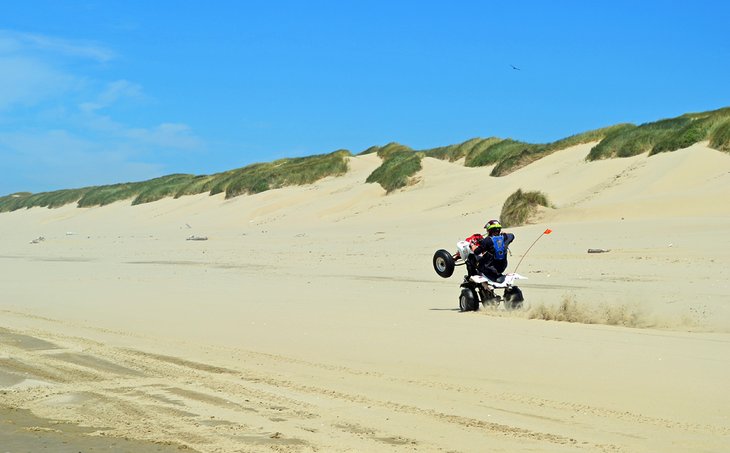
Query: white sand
<point x="312" y="319"/>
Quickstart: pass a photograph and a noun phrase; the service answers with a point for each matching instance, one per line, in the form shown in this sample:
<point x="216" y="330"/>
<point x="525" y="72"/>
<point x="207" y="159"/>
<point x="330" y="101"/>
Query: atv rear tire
<point x="513" y="298"/>
<point x="468" y="300"/>
<point x="443" y="263"/>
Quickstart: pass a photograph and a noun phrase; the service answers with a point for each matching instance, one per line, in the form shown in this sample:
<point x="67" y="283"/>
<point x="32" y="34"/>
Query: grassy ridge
<point x="284" y="172"/>
<point x="45" y="199"/>
<point x="466" y="149"/>
<point x="663" y="135"/>
<point x="621" y="140"/>
<point x="251" y="179"/>
<point x="494" y="153"/>
<point x="516" y="160"/>
<point x="400" y="163"/>
<point x="508" y="155"/>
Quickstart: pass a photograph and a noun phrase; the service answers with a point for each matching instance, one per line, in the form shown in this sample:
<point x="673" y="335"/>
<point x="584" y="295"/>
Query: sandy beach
<point x="311" y="318"/>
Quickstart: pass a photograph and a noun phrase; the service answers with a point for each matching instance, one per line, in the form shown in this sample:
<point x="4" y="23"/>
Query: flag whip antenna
<point x="547" y="231"/>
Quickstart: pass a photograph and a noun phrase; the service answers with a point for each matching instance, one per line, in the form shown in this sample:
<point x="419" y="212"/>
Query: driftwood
<point x="197" y="238"/>
<point x="38" y="240"/>
<point x="598" y="250"/>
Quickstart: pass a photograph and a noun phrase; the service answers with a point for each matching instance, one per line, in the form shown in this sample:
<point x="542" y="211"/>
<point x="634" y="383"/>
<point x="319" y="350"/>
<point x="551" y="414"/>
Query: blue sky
<point x="99" y="92"/>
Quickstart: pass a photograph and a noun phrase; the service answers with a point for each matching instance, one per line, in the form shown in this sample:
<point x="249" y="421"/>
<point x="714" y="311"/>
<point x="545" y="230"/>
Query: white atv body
<point x="476" y="287"/>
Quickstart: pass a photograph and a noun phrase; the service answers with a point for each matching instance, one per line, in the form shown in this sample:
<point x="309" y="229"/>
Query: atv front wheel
<point x="468" y="300"/>
<point x="443" y="263"/>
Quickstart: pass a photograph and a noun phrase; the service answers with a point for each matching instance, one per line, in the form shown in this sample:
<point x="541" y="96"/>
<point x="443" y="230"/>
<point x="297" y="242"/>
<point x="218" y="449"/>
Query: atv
<point x="476" y="287"/>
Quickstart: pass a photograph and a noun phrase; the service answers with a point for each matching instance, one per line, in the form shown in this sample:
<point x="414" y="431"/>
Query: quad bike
<point x="476" y="287"/>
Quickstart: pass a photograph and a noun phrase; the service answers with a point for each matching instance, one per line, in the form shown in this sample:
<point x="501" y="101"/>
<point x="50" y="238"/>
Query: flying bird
<point x="515" y="68"/>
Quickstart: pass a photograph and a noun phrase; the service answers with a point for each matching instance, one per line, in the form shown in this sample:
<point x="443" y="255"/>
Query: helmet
<point x="493" y="225"/>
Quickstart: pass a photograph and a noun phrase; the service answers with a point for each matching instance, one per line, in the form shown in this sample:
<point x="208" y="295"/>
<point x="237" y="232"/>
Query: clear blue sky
<point x="98" y="92"/>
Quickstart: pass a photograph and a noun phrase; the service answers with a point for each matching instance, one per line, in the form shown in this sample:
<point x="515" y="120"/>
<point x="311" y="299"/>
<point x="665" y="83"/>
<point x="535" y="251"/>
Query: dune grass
<point x="633" y="140"/>
<point x="519" y="207"/>
<point x="199" y="184"/>
<point x="370" y="150"/>
<point x="251" y="179"/>
<point x="53" y="199"/>
<point x="701" y="126"/>
<point x="720" y="137"/>
<point x="159" y="188"/>
<point x="400" y="163"/>
<point x="660" y="136"/>
<point x="510" y="155"/>
<point x="527" y="155"/>
<point x="494" y="152"/>
<point x="397" y="169"/>
<point x="455" y="152"/>
<point x="139" y="192"/>
<point x="283" y="172"/>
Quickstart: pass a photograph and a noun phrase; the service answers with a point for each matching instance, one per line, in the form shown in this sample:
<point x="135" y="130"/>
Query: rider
<point x="491" y="251"/>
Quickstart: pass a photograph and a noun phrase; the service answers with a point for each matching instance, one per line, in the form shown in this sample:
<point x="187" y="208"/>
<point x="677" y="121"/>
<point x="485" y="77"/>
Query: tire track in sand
<point x="265" y="405"/>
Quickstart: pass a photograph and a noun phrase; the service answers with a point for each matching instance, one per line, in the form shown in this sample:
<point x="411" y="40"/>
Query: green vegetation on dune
<point x="720" y="137"/>
<point x="159" y="188"/>
<point x="466" y="149"/>
<point x="701" y="126"/>
<point x="371" y="150"/>
<point x="499" y="151"/>
<point x="397" y="169"/>
<point x="509" y="155"/>
<point x="660" y="136"/>
<point x="53" y="199"/>
<point x="247" y="180"/>
<point x="516" y="160"/>
<point x="104" y="195"/>
<point x="392" y="149"/>
<point x="595" y="135"/>
<point x="400" y="163"/>
<point x="494" y="152"/>
<point x="519" y="207"/>
<point x="284" y="172"/>
<point x="199" y="184"/>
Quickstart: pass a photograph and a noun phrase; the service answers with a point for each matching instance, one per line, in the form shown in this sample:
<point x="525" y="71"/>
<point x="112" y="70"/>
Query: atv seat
<point x="498" y="283"/>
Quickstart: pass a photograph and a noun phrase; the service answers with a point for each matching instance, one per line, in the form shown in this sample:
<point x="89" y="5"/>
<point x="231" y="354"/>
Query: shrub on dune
<point x="720" y="137"/>
<point x="396" y="170"/>
<point x="521" y="206"/>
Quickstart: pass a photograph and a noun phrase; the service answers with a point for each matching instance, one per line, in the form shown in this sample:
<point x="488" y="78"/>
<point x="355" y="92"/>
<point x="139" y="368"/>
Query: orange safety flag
<point x="548" y="231"/>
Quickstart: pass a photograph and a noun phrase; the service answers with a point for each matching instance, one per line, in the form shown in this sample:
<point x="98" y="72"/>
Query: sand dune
<point x="311" y="319"/>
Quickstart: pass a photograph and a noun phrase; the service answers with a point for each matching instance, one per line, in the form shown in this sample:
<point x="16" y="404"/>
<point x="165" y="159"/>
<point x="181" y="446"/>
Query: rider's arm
<point x="484" y="247"/>
<point x="508" y="238"/>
